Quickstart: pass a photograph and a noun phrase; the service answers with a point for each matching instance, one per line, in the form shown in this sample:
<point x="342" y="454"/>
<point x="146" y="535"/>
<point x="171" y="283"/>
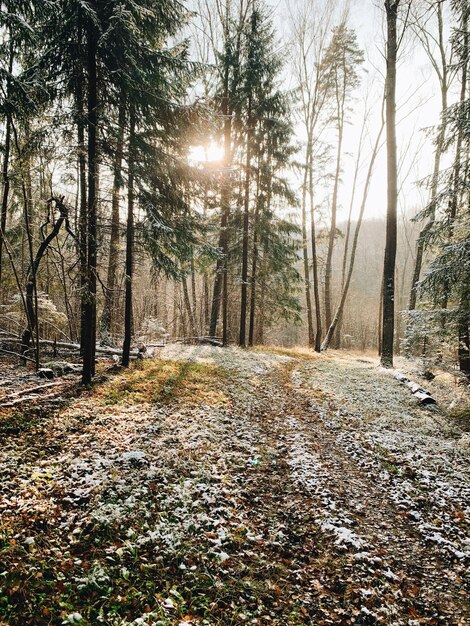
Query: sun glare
<point x="210" y="153"/>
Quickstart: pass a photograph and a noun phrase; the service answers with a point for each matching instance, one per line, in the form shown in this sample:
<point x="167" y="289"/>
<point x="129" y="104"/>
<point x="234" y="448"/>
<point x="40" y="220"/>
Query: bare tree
<point x="310" y="31"/>
<point x="345" y="289"/>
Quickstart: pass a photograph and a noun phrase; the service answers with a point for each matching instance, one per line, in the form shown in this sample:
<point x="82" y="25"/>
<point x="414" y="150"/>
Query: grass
<point x="161" y="382"/>
<point x="460" y="415"/>
<point x="294" y="353"/>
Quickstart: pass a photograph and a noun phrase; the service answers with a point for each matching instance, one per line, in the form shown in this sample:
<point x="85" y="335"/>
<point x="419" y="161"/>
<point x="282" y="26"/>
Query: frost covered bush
<point x="51" y="320"/>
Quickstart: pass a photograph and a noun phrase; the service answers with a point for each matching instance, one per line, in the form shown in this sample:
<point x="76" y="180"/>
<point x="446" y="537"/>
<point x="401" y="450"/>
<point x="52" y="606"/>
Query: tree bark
<point x="220" y="280"/>
<point x="89" y="292"/>
<point x="344" y="293"/>
<point x="308" y="297"/>
<point x="109" y="307"/>
<point x="6" y="159"/>
<point x="126" y="346"/>
<point x="254" y="269"/>
<point x="340" y="101"/>
<point x="246" y="216"/>
<point x="388" y="301"/>
<point x="316" y="282"/>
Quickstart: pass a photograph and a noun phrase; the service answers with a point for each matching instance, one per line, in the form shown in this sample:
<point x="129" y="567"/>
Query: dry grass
<point x="162" y="381"/>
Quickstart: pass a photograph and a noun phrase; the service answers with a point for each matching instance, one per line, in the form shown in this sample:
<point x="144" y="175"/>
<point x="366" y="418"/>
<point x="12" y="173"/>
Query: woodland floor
<point x="221" y="486"/>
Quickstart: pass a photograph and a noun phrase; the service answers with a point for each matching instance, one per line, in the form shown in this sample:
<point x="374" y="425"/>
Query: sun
<point x="209" y="153"/>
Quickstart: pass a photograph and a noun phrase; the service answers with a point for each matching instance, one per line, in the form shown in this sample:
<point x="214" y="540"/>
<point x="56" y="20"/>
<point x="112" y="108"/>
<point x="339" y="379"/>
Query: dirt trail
<point x="381" y="568"/>
<point x="229" y="487"/>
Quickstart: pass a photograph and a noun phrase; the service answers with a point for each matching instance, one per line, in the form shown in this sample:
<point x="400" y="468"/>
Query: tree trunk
<point x="6" y="159"/>
<point x="344" y="293"/>
<point x="308" y="297"/>
<point x="109" y="307"/>
<point x="189" y="308"/>
<point x="254" y="268"/>
<point x="334" y="206"/>
<point x="246" y="215"/>
<point x="347" y="238"/>
<point x="126" y="346"/>
<point x="220" y="281"/>
<point x="388" y="303"/>
<point x="31" y="306"/>
<point x="89" y="293"/>
<point x="316" y="282"/>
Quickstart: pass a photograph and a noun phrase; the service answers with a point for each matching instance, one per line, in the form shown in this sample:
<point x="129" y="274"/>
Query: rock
<point x="60" y="368"/>
<point x="45" y="372"/>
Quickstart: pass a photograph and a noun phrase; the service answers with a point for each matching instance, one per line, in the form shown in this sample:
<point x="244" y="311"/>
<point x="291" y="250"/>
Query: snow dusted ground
<point x="236" y="359"/>
<point x="294" y="489"/>
<point x="418" y="452"/>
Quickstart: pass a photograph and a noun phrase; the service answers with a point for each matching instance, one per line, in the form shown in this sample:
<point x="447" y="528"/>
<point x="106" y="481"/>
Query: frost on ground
<point x="225" y="486"/>
<point x="414" y="450"/>
<point x="235" y="359"/>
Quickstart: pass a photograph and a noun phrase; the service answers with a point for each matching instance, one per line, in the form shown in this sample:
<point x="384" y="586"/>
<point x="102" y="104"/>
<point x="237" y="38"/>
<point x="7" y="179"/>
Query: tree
<point x="448" y="277"/>
<point x="310" y="32"/>
<point x="440" y="64"/>
<point x="388" y="308"/>
<point x="342" y="61"/>
<point x="345" y="288"/>
<point x="229" y="71"/>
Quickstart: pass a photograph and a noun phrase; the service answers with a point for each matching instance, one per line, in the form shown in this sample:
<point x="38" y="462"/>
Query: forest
<point x="209" y="177"/>
<point x="234" y="312"/>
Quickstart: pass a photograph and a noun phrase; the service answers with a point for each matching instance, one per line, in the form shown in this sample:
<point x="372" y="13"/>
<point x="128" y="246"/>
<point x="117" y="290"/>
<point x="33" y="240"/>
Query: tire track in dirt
<point x="348" y="544"/>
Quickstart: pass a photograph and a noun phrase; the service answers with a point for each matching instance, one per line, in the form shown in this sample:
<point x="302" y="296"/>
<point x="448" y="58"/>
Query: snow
<point x="362" y="459"/>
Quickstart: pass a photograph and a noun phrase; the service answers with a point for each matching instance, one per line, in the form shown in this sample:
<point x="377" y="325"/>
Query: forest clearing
<point x="221" y="486"/>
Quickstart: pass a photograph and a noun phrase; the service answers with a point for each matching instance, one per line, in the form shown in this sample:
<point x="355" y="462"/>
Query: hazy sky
<point x="418" y="109"/>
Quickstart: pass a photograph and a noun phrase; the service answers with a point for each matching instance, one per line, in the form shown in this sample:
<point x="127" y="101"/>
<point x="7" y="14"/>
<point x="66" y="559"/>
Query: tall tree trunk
<point x="193" y="289"/>
<point x="246" y="216"/>
<point x="109" y="307"/>
<point x="174" y="322"/>
<point x="126" y="346"/>
<point x="347" y="238"/>
<point x="189" y="308"/>
<point x="6" y="160"/>
<point x="254" y="269"/>
<point x="308" y="297"/>
<point x="316" y="282"/>
<point x="30" y="290"/>
<point x="332" y="233"/>
<point x="89" y="293"/>
<point x="220" y="280"/>
<point x="82" y="240"/>
<point x="262" y="297"/>
<point x="388" y="302"/>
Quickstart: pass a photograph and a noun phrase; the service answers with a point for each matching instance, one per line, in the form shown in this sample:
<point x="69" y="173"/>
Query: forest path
<point x="230" y="487"/>
<point x="393" y="548"/>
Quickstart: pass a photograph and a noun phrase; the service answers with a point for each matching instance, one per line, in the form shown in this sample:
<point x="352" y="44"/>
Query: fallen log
<point x="75" y="347"/>
<point x="3" y="351"/>
<point x="422" y="395"/>
<point x="213" y="341"/>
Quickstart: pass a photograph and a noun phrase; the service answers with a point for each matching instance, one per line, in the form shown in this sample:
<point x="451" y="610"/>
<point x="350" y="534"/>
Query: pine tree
<point x="448" y="277"/>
